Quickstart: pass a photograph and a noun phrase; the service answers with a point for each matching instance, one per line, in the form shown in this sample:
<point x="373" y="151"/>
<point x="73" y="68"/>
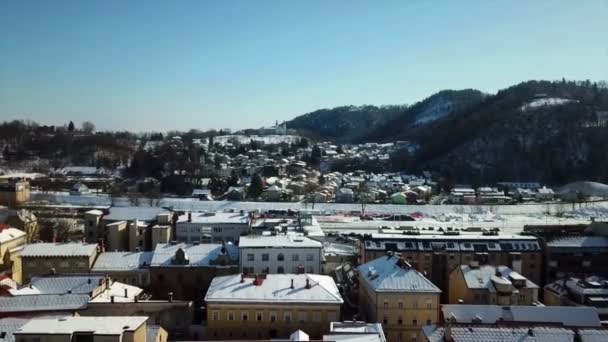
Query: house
<point x="393" y="293"/>
<point x="355" y="331"/>
<point x="271" y="306"/>
<point x="592" y="251"/>
<point x="127" y="267"/>
<point x="273" y="193"/>
<point x="202" y="194"/>
<point x="235" y="193"/>
<point x="25" y="221"/>
<point x="214" y="227"/>
<point x="79" y="189"/>
<point x="39" y="259"/>
<point x="12" y="241"/>
<point x="592" y="291"/>
<point x="398" y="198"/>
<point x="184" y="271"/>
<point x="279" y="253"/>
<point x="545" y="194"/>
<point x="466" y="323"/>
<point x="487" y="284"/>
<point x="345" y="195"/>
<point x="67" y="329"/>
<point x="14" y="193"/>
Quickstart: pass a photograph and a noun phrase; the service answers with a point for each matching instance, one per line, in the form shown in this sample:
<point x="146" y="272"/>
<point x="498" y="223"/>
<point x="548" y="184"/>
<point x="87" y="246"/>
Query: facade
<point x="41" y="259"/>
<point x="487" y="284"/>
<point x="128" y="267"/>
<point x="399" y="297"/>
<point x="184" y="271"/>
<point x="271" y="306"/>
<point x="14" y="193"/>
<point x="437" y="253"/>
<point x="12" y="241"/>
<point x="84" y="329"/>
<point x="212" y="227"/>
<point x="279" y="254"/>
<point x="576" y="256"/>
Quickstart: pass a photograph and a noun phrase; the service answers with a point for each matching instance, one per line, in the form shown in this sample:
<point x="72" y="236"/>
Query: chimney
<point x="242" y="277"/>
<point x="135" y="299"/>
<point x="111" y="299"/>
<point x="170" y="297"/>
<point x="126" y="294"/>
<point x="291" y="287"/>
<point x="307" y="283"/>
<point x="89" y="281"/>
<point x="189" y="216"/>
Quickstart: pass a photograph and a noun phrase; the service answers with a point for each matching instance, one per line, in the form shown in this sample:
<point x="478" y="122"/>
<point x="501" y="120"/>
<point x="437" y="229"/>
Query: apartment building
<point x="212" y="227"/>
<point x="393" y="293"/>
<point x="438" y="251"/>
<point x="280" y="253"/>
<point x="127" y="267"/>
<point x="12" y="241"/>
<point x="40" y="259"/>
<point x="592" y="291"/>
<point x="487" y="284"/>
<point x="271" y="306"/>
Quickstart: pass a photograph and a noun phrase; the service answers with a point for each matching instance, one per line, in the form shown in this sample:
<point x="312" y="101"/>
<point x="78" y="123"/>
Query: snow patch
<point x="437" y="110"/>
<point x="545" y="102"/>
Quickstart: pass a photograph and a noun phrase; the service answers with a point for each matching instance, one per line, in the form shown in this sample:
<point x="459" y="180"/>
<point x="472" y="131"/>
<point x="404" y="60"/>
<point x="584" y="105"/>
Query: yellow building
<point x="11" y="243"/>
<point x="39" y="259"/>
<point x="14" y="193"/>
<point x="391" y="292"/>
<point x="85" y="329"/>
<point x="271" y="306"/>
<point x="487" y="284"/>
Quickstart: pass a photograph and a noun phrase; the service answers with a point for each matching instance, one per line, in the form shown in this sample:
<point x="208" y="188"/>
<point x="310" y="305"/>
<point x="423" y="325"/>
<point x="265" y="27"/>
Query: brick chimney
<point x="307" y="283"/>
<point x="291" y="287"/>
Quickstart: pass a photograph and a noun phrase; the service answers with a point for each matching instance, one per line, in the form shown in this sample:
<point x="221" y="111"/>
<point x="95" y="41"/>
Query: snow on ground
<point x="549" y="101"/>
<point x="266" y="139"/>
<point x="433" y="112"/>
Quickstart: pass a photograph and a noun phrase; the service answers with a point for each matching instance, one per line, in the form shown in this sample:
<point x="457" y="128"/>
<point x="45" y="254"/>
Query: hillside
<point x="344" y="124"/>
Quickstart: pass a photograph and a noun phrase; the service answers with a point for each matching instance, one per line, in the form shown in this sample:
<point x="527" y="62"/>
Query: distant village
<point x="270" y="236"/>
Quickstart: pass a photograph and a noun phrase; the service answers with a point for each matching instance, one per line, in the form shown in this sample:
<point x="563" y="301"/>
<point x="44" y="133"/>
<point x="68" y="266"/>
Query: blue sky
<point x="160" y="65"/>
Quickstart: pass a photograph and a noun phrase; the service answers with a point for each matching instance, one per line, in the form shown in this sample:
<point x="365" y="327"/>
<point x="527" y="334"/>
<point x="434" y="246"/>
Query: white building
<point x="280" y="254"/>
<point x="212" y="227"/>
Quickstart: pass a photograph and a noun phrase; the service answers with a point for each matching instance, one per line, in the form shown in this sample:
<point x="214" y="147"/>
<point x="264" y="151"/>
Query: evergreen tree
<point x="71" y="126"/>
<point x="256" y="187"/>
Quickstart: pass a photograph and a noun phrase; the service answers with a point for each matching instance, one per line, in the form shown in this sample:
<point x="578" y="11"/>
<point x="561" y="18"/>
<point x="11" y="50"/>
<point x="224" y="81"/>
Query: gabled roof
<point x="122" y="261"/>
<point x="568" y="316"/>
<point x="198" y="255"/>
<point x="393" y="274"/>
<point x="503" y="334"/>
<point x="276" y="288"/>
<point x="52" y="249"/>
<point x="59" y="285"/>
<point x="34" y="303"/>
<point x="481" y="277"/>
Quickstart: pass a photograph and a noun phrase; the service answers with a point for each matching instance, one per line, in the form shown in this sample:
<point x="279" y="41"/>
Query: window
<point x="287" y="317"/>
<point x="280" y="269"/>
<point x="217" y="230"/>
<point x="64" y="264"/>
<point x="332" y="316"/>
<point x="429" y="304"/>
<point x="273" y="316"/>
<point x="230" y="316"/>
<point x="400" y="320"/>
<point x="428" y="322"/>
<point x="400" y="305"/>
<point x="302" y="317"/>
<point x="295" y="257"/>
<point x="385" y="320"/>
<point x="215" y="315"/>
<point x="250" y="257"/>
<point x="386" y="304"/>
<point x="265" y="257"/>
<point x="266" y="270"/>
<point x="244" y="315"/>
<point x="309" y="269"/>
<point x="415" y="305"/>
<point x="259" y="316"/>
<point x="414" y="322"/>
<point x="316" y="316"/>
<point x="310" y="257"/>
<point x="280" y="257"/>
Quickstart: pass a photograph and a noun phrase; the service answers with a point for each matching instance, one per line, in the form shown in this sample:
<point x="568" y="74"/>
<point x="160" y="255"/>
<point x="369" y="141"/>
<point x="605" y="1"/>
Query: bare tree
<point x="88" y="127"/>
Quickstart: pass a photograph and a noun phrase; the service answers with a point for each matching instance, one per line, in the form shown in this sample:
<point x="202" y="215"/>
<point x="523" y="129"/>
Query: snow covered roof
<point x="220" y="218"/>
<point x="198" y="255"/>
<point x="355" y="331"/>
<point x="482" y="277"/>
<point x="393" y="274"/>
<point x="59" y="285"/>
<point x="593" y="335"/>
<point x="104" y="325"/>
<point x="8" y="326"/>
<point x="500" y="333"/>
<point x="52" y="249"/>
<point x="122" y="293"/>
<point x="276" y="288"/>
<point x="122" y="261"/>
<point x="130" y="213"/>
<point x="9" y="234"/>
<point x="62" y="302"/>
<point x="580" y="242"/>
<point x="277" y="241"/>
<point x="568" y="316"/>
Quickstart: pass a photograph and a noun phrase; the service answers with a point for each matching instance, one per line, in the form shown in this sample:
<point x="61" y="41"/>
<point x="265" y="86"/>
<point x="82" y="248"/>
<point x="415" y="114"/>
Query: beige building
<point x="399" y="297"/>
<point x="14" y="193"/>
<point x="271" y="306"/>
<point x="39" y="259"/>
<point x="487" y="284"/>
<point x="84" y="329"/>
<point x="12" y="241"/>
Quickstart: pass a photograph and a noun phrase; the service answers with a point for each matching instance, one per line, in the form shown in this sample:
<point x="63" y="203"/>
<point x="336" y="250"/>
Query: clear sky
<point x="160" y="65"/>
